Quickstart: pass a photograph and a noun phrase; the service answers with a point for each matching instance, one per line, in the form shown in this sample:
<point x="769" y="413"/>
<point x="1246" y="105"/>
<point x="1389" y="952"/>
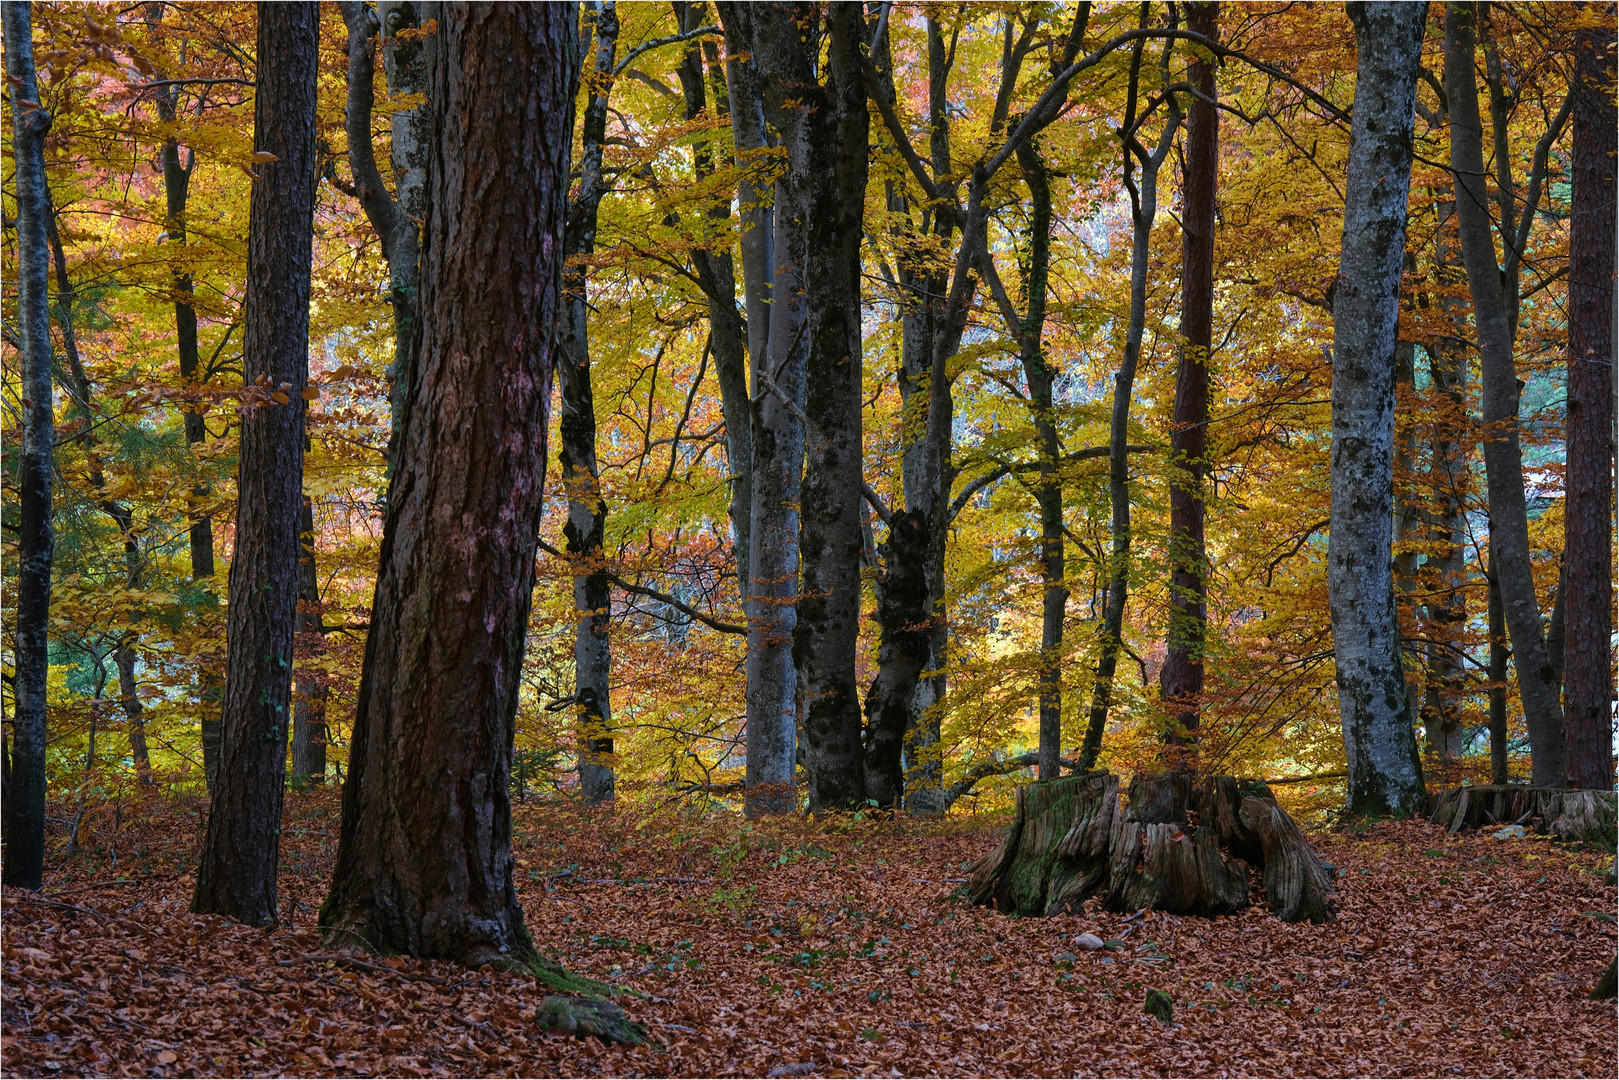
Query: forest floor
<point x="788" y="949"/>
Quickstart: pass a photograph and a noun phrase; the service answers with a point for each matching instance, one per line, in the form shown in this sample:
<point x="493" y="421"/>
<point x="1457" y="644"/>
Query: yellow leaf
<point x="279" y="398"/>
<point x="262" y="156"/>
<point x="311" y="393"/>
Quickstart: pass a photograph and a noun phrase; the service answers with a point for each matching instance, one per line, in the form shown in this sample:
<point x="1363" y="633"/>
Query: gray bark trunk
<point x="1500" y="653"/>
<point x="134" y="711"/>
<point x="1503" y="459"/>
<point x="1589" y="429"/>
<point x="25" y="790"/>
<point x="581" y="476"/>
<point x="1385" y="773"/>
<point x="237" y="875"/>
<point x="773" y="263"/>
<point x="309" y="709"/>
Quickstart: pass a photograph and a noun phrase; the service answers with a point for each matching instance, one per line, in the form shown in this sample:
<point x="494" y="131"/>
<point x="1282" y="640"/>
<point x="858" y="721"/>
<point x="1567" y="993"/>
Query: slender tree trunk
<point x="715" y="269"/>
<point x="1503" y="459"/>
<point x="1589" y="429"/>
<point x="134" y="712"/>
<point x="1037" y="371"/>
<point x="25" y="790"/>
<point x="424" y="861"/>
<point x="1144" y="211"/>
<point x="237" y="875"/>
<point x="1180" y="681"/>
<point x="1500" y="653"/>
<point x="309" y="711"/>
<point x="176" y="193"/>
<point x="587" y="511"/>
<point x="772" y="268"/>
<point x="1385" y="772"/>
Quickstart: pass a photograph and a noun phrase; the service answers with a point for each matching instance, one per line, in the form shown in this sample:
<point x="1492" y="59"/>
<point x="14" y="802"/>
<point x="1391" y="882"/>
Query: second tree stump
<point x="1177" y="844"/>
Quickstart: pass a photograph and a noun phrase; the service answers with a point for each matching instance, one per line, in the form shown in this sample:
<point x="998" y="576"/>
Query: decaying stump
<point x="1176" y="845"/>
<point x="1585" y="815"/>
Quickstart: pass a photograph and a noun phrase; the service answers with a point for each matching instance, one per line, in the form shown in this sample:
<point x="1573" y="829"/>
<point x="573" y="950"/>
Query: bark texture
<point x="581" y="476"/>
<point x="424" y="860"/>
<point x="1494" y="319"/>
<point x="1073" y="839"/>
<point x="309" y="710"/>
<point x="824" y="131"/>
<point x="25" y="787"/>
<point x="1385" y="773"/>
<point x="1585" y="816"/>
<point x="1180" y="681"/>
<point x="1589" y="429"/>
<point x="237" y="875"/>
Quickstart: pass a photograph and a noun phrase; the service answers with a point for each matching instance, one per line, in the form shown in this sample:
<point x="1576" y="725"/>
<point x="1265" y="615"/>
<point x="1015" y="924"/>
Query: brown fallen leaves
<point x="790" y="950"/>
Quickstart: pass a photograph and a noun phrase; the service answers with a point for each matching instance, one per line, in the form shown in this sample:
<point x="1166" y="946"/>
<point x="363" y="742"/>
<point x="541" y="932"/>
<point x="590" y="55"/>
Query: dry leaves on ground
<point x="791" y="950"/>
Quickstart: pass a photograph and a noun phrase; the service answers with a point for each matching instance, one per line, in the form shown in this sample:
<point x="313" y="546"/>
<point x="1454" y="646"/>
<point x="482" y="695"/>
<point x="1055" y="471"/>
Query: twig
<point x="73" y="907"/>
<point x="96" y="885"/>
<point x="355" y="962"/>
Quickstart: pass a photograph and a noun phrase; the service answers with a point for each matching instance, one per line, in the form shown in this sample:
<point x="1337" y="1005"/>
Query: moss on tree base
<point x="1581" y="816"/>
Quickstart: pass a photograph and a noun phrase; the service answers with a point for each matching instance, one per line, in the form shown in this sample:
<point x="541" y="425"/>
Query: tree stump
<point x="1587" y="816"/>
<point x="1175" y="844"/>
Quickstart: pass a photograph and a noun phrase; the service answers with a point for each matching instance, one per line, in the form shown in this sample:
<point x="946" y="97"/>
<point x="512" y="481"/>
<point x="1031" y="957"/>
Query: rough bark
<point x="581" y="476"/>
<point x="1073" y="839"/>
<point x="25" y="789"/>
<point x="1144" y="210"/>
<point x="1503" y="459"/>
<point x="824" y="131"/>
<point x="394" y="222"/>
<point x="1586" y="816"/>
<point x="237" y="874"/>
<point x="134" y="712"/>
<point x="309" y="710"/>
<point x="1180" y="681"/>
<point x="424" y="861"/>
<point x="1500" y="653"/>
<point x="1385" y="772"/>
<point x="777" y="347"/>
<point x="716" y="271"/>
<point x="176" y="194"/>
<point x="1589" y="427"/>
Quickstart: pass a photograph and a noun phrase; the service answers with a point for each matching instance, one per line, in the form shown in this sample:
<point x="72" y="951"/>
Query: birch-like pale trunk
<point x="1385" y="772"/>
<point x="1503" y="457"/>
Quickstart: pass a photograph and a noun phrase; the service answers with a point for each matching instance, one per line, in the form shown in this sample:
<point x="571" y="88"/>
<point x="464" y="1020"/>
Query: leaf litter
<point x="791" y="949"/>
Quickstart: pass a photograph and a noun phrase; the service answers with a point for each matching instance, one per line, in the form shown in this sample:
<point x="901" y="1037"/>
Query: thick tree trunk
<point x="581" y="476"/>
<point x="826" y="141"/>
<point x="1589" y="428"/>
<point x="778" y="350"/>
<point x="25" y="789"/>
<point x="1180" y="845"/>
<point x="1111" y="635"/>
<point x="176" y="193"/>
<point x="1180" y="681"/>
<point x="424" y="861"/>
<point x="1500" y="653"/>
<point x="1503" y="459"/>
<point x="309" y="710"/>
<point x="237" y="875"/>
<point x="1385" y="772"/>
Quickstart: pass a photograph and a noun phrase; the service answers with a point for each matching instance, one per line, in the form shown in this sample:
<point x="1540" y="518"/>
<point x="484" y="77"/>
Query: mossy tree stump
<point x="1587" y="815"/>
<point x="1176" y="844"/>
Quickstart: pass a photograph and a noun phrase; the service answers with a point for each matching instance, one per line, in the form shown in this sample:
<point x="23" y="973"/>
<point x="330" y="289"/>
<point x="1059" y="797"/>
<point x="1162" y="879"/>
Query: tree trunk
<point x="424" y="861"/>
<point x="1499" y="654"/>
<point x="1072" y="839"/>
<point x="237" y="875"/>
<point x="176" y="193"/>
<point x="134" y="712"/>
<point x="716" y="271"/>
<point x="778" y="350"/>
<point x="1385" y="773"/>
<point x="825" y="133"/>
<point x="1181" y="679"/>
<point x="1509" y="536"/>
<point x="25" y="790"/>
<point x="309" y="711"/>
<point x="1589" y="427"/>
<point x="1145" y="209"/>
<point x="581" y="477"/>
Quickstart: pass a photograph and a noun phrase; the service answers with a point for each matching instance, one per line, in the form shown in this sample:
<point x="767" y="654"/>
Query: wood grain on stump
<point x="1174" y="844"/>
<point x="1587" y="815"/>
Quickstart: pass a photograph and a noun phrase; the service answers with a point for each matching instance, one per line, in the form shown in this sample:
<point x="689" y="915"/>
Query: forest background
<point x="150" y="163"/>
